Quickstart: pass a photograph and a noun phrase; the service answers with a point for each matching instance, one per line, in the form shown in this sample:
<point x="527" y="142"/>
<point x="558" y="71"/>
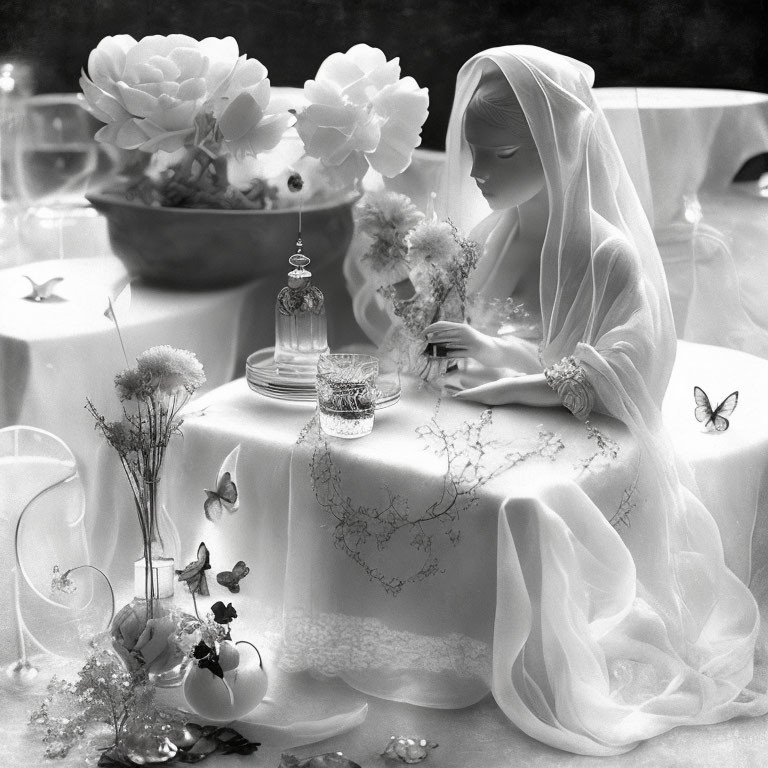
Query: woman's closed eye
<point x="505" y="154"/>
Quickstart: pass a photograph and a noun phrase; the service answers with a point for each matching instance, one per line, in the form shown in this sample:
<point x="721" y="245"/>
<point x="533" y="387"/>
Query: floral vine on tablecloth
<point x="471" y="459"/>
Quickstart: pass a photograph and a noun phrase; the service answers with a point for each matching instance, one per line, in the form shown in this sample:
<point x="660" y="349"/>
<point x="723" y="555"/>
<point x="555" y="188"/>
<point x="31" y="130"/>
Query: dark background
<point x="704" y="43"/>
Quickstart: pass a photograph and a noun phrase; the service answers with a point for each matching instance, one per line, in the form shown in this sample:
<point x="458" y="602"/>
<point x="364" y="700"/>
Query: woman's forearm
<point x="564" y="383"/>
<point x="532" y="389"/>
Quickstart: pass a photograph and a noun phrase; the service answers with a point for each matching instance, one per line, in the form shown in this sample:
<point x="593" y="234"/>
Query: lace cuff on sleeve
<point x="570" y="382"/>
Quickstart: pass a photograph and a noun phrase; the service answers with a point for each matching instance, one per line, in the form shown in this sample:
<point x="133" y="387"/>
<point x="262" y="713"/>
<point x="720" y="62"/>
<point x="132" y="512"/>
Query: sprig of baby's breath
<point x="104" y="692"/>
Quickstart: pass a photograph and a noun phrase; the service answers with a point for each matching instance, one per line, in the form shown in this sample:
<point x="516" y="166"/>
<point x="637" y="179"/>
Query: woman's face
<point x="505" y="162"/>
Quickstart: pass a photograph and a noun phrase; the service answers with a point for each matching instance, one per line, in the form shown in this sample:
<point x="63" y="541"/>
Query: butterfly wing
<point x="227" y="490"/>
<point x="225" y="496"/>
<point x="228" y="474"/>
<point x="726" y="408"/>
<point x="703" y="410"/>
<point x="194" y="573"/>
<point x="213" y="506"/>
<point x="231" y="579"/>
<point x="228" y="580"/>
<point x="241" y="570"/>
<point x="204" y="559"/>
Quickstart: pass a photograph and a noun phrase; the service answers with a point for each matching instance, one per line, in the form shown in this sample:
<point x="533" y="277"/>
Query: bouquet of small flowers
<point x="151" y="394"/>
<point x="200" y="104"/>
<point x="420" y="266"/>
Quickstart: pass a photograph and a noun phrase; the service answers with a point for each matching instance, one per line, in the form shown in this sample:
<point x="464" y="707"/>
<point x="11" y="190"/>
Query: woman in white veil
<point x="601" y="640"/>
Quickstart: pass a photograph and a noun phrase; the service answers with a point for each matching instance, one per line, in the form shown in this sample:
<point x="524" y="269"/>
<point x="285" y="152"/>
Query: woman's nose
<point x="478" y="172"/>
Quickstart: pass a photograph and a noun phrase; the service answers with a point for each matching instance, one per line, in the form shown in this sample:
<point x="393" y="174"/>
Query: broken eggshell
<point x="211" y="698"/>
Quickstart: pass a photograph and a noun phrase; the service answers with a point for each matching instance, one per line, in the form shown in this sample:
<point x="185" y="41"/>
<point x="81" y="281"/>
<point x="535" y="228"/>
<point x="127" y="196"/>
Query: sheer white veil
<point x="671" y="606"/>
<point x="592" y="202"/>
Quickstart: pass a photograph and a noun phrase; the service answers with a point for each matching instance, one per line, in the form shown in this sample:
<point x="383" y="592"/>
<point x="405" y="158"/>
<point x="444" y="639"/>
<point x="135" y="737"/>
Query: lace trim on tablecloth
<point x="331" y="644"/>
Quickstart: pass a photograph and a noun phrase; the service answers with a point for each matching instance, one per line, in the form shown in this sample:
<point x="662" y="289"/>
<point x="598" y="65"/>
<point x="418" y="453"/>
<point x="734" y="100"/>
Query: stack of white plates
<point x="263" y="377"/>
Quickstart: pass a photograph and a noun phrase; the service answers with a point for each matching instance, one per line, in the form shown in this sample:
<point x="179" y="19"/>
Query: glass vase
<point x="148" y="632"/>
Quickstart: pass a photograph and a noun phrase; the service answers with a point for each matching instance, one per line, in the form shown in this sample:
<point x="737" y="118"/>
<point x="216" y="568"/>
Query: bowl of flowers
<point x="208" y="204"/>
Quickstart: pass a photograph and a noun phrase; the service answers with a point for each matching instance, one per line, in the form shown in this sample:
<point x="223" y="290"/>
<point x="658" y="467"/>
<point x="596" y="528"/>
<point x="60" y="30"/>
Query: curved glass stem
<point x="106" y="579"/>
<point x="22" y="670"/>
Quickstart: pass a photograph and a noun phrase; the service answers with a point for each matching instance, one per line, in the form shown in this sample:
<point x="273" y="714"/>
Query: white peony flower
<point x="151" y="93"/>
<point x="361" y="113"/>
<point x="246" y="128"/>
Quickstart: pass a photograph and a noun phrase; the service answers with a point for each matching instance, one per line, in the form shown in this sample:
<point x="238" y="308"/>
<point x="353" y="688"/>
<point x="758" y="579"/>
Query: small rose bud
<point x="295" y="182"/>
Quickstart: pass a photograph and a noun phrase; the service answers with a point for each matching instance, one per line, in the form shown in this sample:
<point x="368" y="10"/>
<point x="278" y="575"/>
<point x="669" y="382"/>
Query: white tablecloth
<point x="677" y="141"/>
<point x="281" y="531"/>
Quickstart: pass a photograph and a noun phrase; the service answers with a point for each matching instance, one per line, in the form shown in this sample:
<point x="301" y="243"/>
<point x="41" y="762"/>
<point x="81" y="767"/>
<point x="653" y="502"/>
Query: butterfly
<point x="194" y="573"/>
<point x="231" y="579"/>
<point x="714" y="417"/>
<point x="43" y="291"/>
<point x="225" y="496"/>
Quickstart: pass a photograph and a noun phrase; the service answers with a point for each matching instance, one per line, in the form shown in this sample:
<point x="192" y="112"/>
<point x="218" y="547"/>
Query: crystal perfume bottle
<point x="300" y="325"/>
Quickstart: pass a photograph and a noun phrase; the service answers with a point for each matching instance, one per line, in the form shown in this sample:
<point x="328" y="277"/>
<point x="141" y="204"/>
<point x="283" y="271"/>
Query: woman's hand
<point x="461" y="340"/>
<point x="465" y="387"/>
